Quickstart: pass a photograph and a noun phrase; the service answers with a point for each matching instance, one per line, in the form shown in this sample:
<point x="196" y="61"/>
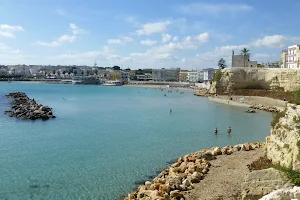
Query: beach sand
<point x="225" y="177"/>
<point x="159" y="86"/>
<point x="228" y="102"/>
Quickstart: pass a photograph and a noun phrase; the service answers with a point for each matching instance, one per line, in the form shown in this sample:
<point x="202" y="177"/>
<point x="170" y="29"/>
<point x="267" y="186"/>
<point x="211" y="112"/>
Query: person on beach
<point x="216" y="130"/>
<point x="229" y="130"/>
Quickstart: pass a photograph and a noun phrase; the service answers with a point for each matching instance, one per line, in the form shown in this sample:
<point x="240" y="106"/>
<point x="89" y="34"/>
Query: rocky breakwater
<point x="174" y="182"/>
<point x="283" y="145"/>
<point x="265" y="108"/>
<point x="25" y="108"/>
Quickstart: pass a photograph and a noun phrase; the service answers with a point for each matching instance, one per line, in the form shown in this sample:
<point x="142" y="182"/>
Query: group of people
<point x="228" y="130"/>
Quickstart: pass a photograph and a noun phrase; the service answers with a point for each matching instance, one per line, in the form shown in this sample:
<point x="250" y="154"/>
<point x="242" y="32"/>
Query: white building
<point x="291" y="57"/>
<point x="195" y="76"/>
<point x="208" y="74"/>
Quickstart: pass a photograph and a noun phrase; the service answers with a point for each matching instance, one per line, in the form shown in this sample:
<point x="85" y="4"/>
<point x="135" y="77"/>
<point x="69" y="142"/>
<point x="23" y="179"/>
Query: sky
<point x="190" y="34"/>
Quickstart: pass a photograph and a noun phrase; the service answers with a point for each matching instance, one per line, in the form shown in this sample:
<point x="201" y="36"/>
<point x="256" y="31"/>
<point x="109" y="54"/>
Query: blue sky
<point x="136" y="33"/>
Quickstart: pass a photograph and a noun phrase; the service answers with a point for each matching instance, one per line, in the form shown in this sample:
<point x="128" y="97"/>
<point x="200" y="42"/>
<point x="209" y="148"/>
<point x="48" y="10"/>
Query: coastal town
<point x="116" y="76"/>
<point x="156" y="100"/>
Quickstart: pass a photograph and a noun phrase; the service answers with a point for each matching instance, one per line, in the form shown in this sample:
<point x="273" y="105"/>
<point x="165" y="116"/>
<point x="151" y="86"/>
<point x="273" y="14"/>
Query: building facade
<point x="241" y="61"/>
<point x="166" y="74"/>
<point x="208" y="74"/>
<point x="183" y="75"/>
<point x="284" y="59"/>
<point x="291" y="57"/>
<point x="276" y="64"/>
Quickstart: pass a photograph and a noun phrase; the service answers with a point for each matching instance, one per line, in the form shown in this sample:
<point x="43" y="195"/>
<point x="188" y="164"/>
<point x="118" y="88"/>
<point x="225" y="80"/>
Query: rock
<point x="25" y="108"/>
<point x="182" y="167"/>
<point x="207" y="156"/>
<point x="246" y="147"/>
<point x="175" y="194"/>
<point x="174" y="183"/>
<point x="261" y="182"/>
<point x="196" y="177"/>
<point x="164" y="188"/>
<point x="229" y="152"/>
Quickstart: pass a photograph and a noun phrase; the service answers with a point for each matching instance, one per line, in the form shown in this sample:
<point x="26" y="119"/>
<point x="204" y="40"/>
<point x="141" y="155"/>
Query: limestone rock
<point x="261" y="182"/>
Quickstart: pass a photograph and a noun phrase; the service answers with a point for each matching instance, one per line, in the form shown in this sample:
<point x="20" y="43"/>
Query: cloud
<point x="203" y="37"/>
<point x="148" y="42"/>
<point x="152" y="28"/>
<point x="122" y="40"/>
<point x="64" y="38"/>
<point x="8" y="31"/>
<point x="75" y="30"/>
<point x="166" y="37"/>
<point x="212" y="9"/>
<point x="188" y="42"/>
<point x="273" y="41"/>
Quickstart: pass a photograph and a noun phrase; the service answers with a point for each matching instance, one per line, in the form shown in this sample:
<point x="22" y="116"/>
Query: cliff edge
<point x="229" y="79"/>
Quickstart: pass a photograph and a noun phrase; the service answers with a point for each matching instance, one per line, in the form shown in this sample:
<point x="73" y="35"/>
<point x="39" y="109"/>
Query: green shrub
<point x="277" y="116"/>
<point x="217" y="76"/>
<point x="298" y="97"/>
<point x="291" y="174"/>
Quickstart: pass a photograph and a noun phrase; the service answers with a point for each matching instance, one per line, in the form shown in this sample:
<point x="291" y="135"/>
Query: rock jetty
<point x="265" y="108"/>
<point x="25" y="108"/>
<point x="173" y="182"/>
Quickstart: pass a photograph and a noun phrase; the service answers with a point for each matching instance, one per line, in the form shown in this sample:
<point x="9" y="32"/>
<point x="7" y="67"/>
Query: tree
<point x="245" y="53"/>
<point x="116" y="68"/>
<point x="53" y="71"/>
<point x="75" y="73"/>
<point x="222" y="63"/>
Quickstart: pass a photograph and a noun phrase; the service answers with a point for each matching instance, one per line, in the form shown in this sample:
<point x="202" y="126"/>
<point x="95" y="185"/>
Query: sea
<point x="107" y="140"/>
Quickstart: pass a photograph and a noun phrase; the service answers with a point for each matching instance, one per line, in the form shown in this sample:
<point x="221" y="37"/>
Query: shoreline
<point x="183" y="178"/>
<point x="159" y="87"/>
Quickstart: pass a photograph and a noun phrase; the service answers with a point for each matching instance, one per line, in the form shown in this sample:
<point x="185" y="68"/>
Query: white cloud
<point x="122" y="40"/>
<point x="211" y="8"/>
<point x="75" y="30"/>
<point x="203" y="37"/>
<point x="166" y="37"/>
<point x="8" y="31"/>
<point x="152" y="28"/>
<point x="273" y="41"/>
<point x="148" y="42"/>
<point x="175" y="39"/>
<point x="64" y="38"/>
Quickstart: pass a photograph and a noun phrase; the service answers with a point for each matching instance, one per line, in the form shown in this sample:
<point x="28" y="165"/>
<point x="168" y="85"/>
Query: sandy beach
<point x="228" y="102"/>
<point x="159" y="86"/>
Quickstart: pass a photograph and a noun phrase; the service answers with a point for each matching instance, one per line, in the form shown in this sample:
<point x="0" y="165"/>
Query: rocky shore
<point x="265" y="108"/>
<point x="175" y="181"/>
<point x="28" y="109"/>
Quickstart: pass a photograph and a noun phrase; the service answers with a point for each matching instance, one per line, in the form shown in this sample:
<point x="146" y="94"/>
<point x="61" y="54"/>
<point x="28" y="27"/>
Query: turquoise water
<point x="107" y="139"/>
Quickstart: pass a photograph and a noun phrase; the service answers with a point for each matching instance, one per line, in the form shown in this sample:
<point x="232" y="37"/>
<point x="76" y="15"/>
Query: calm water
<point x="106" y="139"/>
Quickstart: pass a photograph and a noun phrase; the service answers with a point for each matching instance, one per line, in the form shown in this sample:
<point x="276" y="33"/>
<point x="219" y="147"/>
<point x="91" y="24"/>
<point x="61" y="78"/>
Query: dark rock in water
<point x="28" y="109"/>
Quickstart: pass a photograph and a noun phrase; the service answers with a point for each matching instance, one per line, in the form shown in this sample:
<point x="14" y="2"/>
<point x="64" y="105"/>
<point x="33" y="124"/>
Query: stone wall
<point x="283" y="145"/>
<point x="257" y="78"/>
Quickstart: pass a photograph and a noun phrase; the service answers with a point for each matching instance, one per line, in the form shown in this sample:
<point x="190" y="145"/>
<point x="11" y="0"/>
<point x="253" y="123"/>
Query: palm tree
<point x="245" y="52"/>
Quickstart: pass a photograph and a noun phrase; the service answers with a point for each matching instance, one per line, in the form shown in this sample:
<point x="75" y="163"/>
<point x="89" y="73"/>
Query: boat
<point x="250" y="111"/>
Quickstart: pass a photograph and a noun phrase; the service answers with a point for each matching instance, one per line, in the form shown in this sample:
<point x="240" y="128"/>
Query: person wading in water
<point x="229" y="130"/>
<point x="216" y="130"/>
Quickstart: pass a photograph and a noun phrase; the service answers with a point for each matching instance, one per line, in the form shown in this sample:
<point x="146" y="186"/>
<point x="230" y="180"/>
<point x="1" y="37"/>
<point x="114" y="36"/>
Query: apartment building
<point x="166" y="74"/>
<point x="290" y="58"/>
